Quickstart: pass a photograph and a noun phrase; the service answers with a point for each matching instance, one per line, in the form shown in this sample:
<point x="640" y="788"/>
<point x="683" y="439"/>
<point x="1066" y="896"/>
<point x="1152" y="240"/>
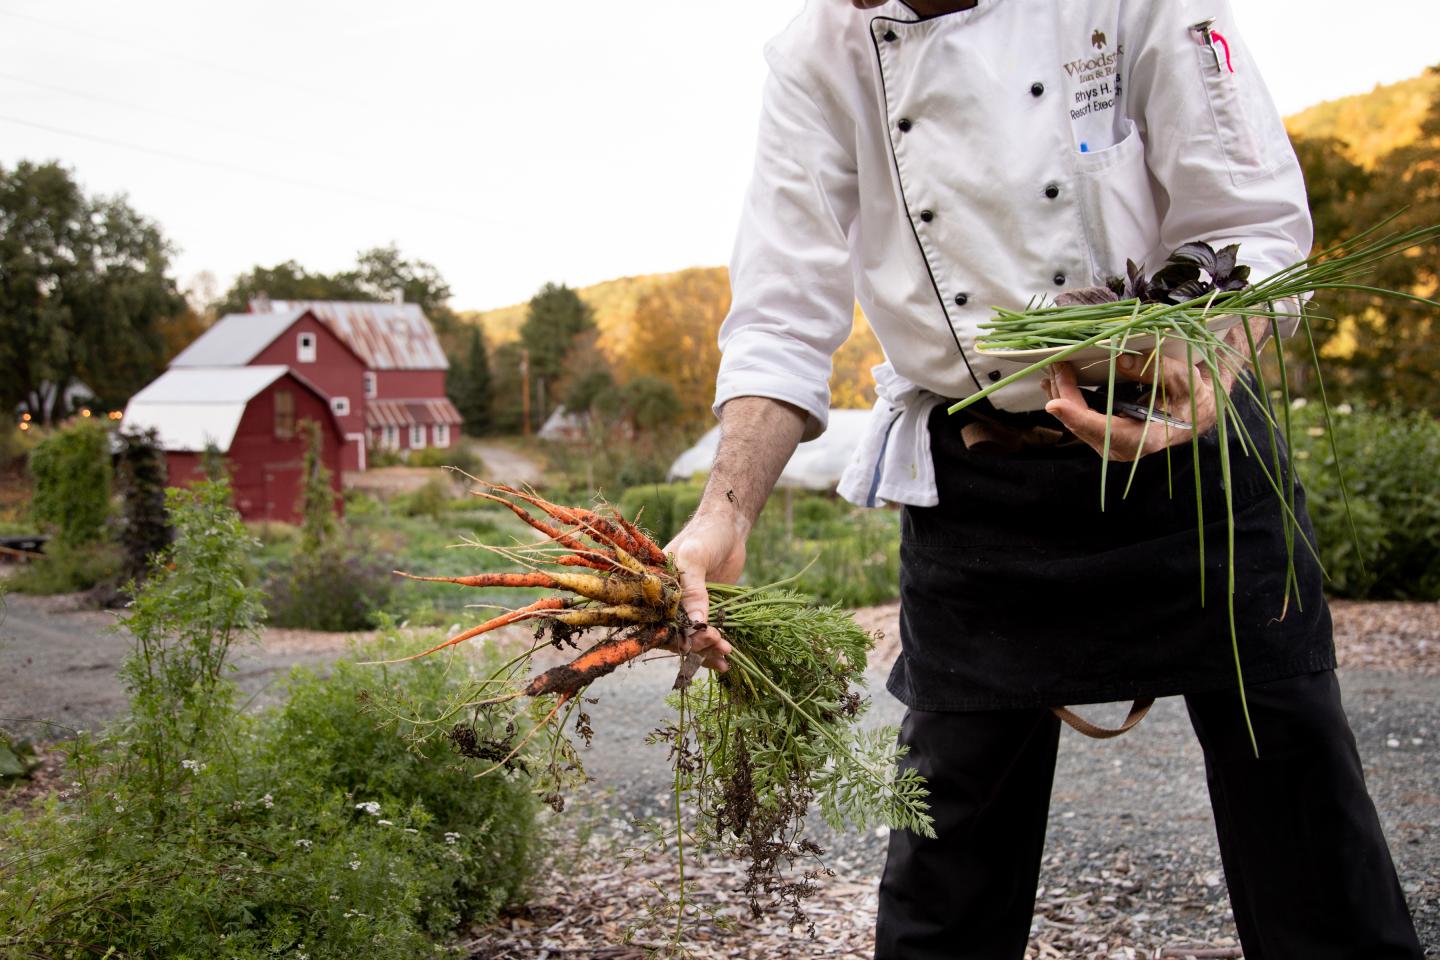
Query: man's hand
<point x="711" y="547"/>
<point x="1068" y="405"/>
<point x="757" y="437"/>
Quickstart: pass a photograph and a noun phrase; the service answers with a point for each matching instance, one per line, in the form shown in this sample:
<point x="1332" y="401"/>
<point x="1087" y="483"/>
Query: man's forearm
<point x="757" y="437"/>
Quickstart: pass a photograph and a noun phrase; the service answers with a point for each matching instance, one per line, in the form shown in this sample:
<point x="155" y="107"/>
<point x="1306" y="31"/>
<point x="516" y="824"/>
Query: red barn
<point x="406" y="407"/>
<point x="295" y="339"/>
<point x="251" y="415"/>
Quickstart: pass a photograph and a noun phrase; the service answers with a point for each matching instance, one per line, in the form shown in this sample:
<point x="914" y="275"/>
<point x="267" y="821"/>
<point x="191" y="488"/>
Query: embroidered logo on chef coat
<point x="1094" y="87"/>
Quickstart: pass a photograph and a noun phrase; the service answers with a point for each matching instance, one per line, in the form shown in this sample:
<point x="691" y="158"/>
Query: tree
<point x="381" y="271"/>
<point x="674" y="339"/>
<point x="145" y="529"/>
<point x="287" y="281"/>
<point x="83" y="290"/>
<point x="556" y="315"/>
<point x="378" y="274"/>
<point x="1380" y="350"/>
<point x="469" y="385"/>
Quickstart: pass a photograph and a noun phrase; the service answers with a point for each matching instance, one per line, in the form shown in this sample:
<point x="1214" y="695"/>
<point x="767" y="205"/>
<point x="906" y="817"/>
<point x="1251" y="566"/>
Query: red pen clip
<point x="1208" y="38"/>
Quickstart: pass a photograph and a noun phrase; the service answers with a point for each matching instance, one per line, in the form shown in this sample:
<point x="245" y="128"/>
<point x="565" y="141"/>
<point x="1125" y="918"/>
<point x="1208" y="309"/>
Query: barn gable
<point x="192" y="408"/>
<point x="387" y="336"/>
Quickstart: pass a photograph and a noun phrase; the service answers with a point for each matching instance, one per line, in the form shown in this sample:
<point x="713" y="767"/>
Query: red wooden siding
<point x="265" y="469"/>
<point x="336" y="371"/>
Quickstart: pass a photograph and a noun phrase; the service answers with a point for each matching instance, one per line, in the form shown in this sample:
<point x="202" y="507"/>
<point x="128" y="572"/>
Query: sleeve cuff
<point x="812" y="399"/>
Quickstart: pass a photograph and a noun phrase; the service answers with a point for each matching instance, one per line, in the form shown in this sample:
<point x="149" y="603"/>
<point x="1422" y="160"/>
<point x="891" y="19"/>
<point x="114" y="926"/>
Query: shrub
<point x="460" y="456"/>
<point x="1390" y="462"/>
<point x="194" y="831"/>
<point x="661" y="508"/>
<point x="66" y="569"/>
<point x="431" y="500"/>
<point x="71" y="468"/>
<point x="15" y="445"/>
<point x="339" y="587"/>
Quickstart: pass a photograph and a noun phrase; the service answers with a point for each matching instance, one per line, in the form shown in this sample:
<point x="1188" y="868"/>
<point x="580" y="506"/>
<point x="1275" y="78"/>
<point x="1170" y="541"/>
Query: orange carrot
<point x="543" y="580"/>
<point x="602" y="560"/>
<point x="650" y="552"/>
<point x="539" y="608"/>
<point x="601" y="659"/>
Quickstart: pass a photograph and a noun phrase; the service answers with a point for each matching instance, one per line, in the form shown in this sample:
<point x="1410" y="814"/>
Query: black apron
<point x="1017" y="591"/>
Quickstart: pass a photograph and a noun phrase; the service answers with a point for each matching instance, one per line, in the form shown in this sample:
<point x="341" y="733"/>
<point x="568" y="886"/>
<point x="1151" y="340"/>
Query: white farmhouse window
<point x="305" y="348"/>
<point x="341" y="406"/>
<point x="417" y="436"/>
<point x="370" y="388"/>
<point x="442" y="434"/>
<point x="392" y="438"/>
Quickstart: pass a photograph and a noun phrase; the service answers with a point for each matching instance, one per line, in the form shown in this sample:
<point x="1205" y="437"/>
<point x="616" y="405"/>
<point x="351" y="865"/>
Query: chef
<point x="933" y="159"/>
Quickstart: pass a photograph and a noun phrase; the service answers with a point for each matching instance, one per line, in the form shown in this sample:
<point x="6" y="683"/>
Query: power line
<point x="244" y="136"/>
<point x="248" y="171"/>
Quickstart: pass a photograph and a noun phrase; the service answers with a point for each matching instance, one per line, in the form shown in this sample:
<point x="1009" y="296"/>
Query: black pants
<point x="1307" y="867"/>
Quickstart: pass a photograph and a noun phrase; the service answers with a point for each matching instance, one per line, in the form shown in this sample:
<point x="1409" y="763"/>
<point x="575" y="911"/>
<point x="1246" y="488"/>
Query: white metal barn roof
<point x="235" y="339"/>
<point x="815" y="465"/>
<point x="387" y="336"/>
<point x="191" y="408"/>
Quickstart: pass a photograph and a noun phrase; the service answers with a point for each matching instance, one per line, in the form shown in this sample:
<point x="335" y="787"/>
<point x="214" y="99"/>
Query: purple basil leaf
<point x="1225" y="262"/>
<point x="1199" y="253"/>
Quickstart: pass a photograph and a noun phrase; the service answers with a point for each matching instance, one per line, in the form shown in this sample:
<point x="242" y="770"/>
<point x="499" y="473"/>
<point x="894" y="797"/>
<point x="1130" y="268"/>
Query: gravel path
<point x="1131" y="869"/>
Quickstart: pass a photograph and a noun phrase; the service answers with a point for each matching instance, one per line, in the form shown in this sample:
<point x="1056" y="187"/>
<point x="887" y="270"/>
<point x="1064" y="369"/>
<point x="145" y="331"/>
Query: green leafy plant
<point x="193" y="830"/>
<point x="1389" y="462"/>
<point x="71" y="468"/>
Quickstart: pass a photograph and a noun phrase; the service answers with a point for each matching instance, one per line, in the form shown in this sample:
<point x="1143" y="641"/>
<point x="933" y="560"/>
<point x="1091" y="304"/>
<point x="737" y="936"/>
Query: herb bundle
<point x="753" y="748"/>
<point x="1185" y="309"/>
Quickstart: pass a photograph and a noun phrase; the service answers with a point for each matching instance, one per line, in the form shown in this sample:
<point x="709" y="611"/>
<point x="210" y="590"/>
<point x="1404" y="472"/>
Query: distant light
<point x="84" y="411"/>
<point x="116" y="414"/>
<point x="24" y="425"/>
<point x="25" y="417"/>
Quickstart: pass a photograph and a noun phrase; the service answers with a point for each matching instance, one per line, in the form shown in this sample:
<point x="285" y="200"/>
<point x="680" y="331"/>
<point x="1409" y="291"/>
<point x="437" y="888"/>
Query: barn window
<point x="392" y="438"/>
<point x="284" y="414"/>
<point x="305" y="348"/>
<point x="442" y="434"/>
<point x="341" y="406"/>
<point x="417" y="436"/>
<point x="370" y="387"/>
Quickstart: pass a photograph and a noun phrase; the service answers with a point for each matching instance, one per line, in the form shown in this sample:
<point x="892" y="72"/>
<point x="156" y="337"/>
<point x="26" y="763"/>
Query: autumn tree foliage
<point x="1382" y="352"/>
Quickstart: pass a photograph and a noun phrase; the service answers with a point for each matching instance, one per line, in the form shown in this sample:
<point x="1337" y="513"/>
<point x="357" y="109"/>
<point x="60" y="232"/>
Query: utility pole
<point x="525" y="391"/>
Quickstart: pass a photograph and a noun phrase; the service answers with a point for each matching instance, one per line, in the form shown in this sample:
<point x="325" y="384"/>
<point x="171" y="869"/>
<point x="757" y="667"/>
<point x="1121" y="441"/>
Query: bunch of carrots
<point x="752" y="748"/>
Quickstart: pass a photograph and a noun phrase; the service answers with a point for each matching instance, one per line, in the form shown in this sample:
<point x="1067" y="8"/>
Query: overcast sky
<point x="508" y="144"/>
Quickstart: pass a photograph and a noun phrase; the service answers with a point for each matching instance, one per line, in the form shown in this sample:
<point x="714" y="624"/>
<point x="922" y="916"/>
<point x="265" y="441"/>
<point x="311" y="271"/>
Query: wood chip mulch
<point x="1099" y="920"/>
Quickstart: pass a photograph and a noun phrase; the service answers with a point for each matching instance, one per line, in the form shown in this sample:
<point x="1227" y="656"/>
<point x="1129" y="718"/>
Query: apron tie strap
<point x="1138" y="709"/>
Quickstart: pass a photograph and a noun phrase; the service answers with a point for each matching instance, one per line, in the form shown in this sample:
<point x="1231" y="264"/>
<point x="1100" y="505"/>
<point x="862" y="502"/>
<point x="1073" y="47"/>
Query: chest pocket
<point x="1117" y="204"/>
<point x="1243" y="125"/>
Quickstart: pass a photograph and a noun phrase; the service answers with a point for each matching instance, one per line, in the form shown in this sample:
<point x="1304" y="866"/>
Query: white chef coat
<point x="932" y="169"/>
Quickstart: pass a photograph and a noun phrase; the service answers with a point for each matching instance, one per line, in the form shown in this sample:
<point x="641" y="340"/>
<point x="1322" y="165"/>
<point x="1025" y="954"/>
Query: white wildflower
<point x="1344" y="409"/>
<point x="354" y="864"/>
<point x="370" y="807"/>
<point x="304" y="844"/>
<point x="267" y="801"/>
<point x="194" y="766"/>
<point x="384" y="823"/>
<point x="451" y="838"/>
<point x="411" y="830"/>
